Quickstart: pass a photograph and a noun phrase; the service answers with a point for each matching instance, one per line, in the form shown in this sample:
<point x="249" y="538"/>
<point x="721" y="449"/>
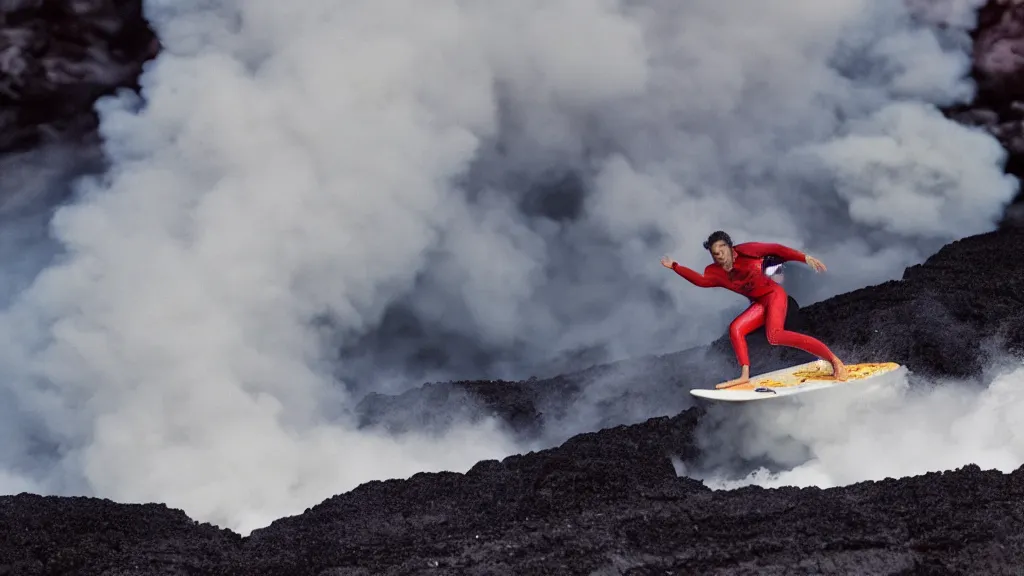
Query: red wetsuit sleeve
<point x="762" y="249"/>
<point x="694" y="277"/>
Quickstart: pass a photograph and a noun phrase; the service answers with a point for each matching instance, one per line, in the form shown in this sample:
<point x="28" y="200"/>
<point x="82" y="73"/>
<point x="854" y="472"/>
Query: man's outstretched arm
<point x="761" y="249"/>
<point x="692" y="276"/>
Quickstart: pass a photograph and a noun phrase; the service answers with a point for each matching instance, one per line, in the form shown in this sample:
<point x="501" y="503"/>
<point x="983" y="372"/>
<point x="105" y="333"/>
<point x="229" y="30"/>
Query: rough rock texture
<point x="91" y="536"/>
<point x="945" y="317"/>
<point x="610" y="502"/>
<point x="998" y="70"/>
<point x="606" y="502"/>
<point x="57" y="58"/>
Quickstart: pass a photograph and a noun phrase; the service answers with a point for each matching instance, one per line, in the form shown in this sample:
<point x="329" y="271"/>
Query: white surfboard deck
<point x="798" y="379"/>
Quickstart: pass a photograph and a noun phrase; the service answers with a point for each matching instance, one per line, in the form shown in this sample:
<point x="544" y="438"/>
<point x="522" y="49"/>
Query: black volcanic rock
<point x="941" y="319"/>
<point x="607" y="502"/>
<point x="58" y="57"/>
<point x="596" y="508"/>
<point x="945" y="317"/>
<point x="92" y="536"/>
<point x="603" y="503"/>
<point x="998" y="71"/>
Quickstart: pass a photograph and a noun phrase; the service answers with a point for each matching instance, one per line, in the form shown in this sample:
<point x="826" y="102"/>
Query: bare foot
<point x="839" y="370"/>
<point x="731" y="383"/>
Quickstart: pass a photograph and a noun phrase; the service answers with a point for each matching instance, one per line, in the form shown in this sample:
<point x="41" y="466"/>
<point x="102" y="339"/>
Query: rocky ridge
<point x="611" y="502"/>
<point x="606" y="502"/>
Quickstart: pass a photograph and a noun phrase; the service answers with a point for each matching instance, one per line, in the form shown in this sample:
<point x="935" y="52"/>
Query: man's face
<point x="722" y="253"/>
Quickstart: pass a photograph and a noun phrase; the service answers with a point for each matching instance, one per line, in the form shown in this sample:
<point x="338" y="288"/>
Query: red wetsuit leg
<point x="751" y="319"/>
<point x="776" y="304"/>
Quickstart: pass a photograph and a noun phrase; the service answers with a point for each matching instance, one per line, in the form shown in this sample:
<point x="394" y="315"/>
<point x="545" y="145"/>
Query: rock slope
<point x="998" y="68"/>
<point x="57" y="58"/>
<point x="607" y="502"/>
<point x="611" y="502"/>
<point x="947" y="317"/>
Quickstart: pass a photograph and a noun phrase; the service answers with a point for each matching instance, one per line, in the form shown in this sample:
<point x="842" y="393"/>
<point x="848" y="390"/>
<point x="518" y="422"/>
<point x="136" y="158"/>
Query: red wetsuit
<point x="768" y="299"/>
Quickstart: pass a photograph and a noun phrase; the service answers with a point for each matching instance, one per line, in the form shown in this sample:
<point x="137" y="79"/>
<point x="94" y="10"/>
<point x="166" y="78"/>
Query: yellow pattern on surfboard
<point x="819" y="371"/>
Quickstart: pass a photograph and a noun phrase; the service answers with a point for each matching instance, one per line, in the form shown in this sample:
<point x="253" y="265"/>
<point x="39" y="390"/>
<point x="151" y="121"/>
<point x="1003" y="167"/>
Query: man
<point x="740" y="269"/>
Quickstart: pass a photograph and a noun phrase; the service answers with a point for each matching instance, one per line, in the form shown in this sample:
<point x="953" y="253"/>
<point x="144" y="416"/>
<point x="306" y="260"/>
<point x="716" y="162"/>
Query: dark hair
<point x="715" y="237"/>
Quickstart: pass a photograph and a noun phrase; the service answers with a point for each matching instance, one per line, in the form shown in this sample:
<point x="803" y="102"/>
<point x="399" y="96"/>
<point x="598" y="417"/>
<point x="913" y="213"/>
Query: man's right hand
<point x="667" y="262"/>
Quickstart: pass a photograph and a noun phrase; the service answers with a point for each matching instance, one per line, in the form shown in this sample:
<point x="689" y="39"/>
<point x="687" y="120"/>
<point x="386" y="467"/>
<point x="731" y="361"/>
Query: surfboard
<point x="798" y="379"/>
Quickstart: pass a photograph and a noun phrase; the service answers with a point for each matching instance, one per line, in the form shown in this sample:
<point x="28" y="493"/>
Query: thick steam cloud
<point x="439" y="189"/>
<point x="872" y="431"/>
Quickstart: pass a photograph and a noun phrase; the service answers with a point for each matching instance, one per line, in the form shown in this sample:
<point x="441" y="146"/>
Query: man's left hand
<point x="816" y="264"/>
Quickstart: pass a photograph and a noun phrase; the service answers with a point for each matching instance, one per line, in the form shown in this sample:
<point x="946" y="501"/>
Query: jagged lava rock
<point x="606" y="502"/>
<point x="57" y="58"/>
<point x="51" y="535"/>
<point x="941" y="319"/>
<point x="998" y="71"/>
<point x="944" y="318"/>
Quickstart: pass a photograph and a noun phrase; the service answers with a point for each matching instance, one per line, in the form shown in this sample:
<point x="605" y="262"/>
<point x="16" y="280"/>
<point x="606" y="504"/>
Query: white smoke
<point x="875" y="430"/>
<point x="295" y="169"/>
